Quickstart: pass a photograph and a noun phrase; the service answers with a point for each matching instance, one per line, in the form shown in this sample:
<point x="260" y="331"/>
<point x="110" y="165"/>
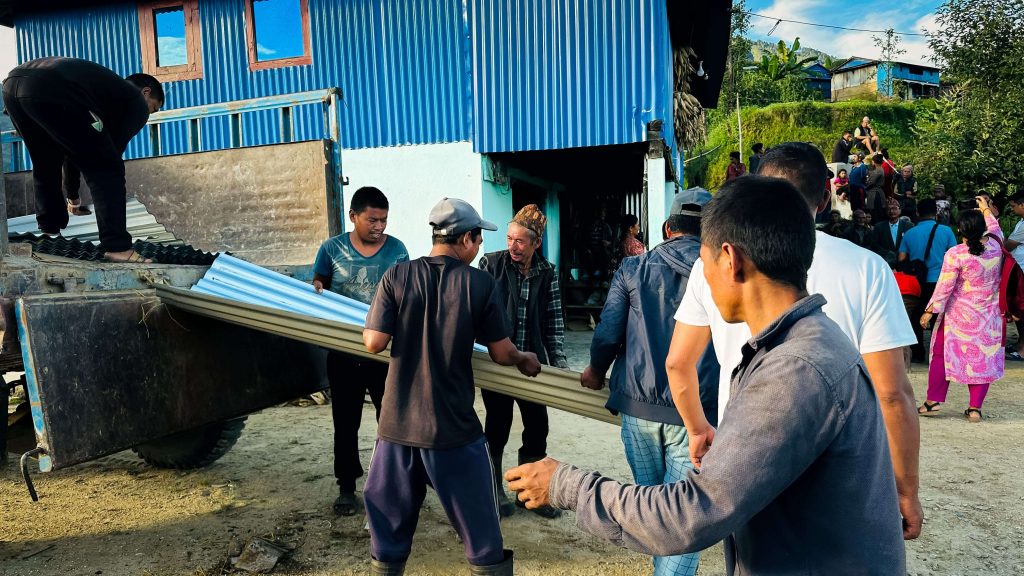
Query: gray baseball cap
<point x="695" y="195"/>
<point x="454" y="216"/>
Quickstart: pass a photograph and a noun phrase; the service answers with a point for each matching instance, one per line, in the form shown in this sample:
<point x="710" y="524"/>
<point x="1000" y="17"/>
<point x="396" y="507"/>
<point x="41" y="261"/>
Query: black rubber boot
<point x="378" y="568"/>
<point x="544" y="511"/>
<point x="503" y="568"/>
<point x="505" y="506"/>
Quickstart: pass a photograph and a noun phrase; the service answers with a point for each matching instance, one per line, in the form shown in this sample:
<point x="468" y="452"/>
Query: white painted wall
<point x="415" y="178"/>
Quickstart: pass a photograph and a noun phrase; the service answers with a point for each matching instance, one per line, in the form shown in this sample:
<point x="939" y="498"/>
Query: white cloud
<point x="846" y="43"/>
<point x="263" y="50"/>
<point x="171" y="50"/>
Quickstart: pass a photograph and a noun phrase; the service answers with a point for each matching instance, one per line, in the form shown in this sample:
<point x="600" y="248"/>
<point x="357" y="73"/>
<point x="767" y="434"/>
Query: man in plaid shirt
<point x="528" y="283"/>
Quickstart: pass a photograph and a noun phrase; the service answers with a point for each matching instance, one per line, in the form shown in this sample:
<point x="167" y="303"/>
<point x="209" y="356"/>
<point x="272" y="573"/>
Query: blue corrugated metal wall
<point x="511" y="75"/>
<point x="568" y="73"/>
<point x="398" y="62"/>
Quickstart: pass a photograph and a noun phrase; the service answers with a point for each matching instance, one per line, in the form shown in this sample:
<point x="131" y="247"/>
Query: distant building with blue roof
<point x="863" y="77"/>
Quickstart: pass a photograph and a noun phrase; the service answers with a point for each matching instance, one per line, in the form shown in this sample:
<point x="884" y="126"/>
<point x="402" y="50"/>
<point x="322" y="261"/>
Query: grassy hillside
<point x="819" y="123"/>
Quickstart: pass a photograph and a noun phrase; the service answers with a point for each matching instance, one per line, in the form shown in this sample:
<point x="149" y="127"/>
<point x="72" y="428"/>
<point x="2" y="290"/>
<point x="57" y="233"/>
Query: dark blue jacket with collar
<point x="636" y="328"/>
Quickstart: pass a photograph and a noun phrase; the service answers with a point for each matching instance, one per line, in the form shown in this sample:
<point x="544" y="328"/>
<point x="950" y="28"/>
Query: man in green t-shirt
<point x="351" y="264"/>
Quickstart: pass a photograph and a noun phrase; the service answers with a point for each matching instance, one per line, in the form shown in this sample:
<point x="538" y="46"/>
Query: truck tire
<point x="192" y="449"/>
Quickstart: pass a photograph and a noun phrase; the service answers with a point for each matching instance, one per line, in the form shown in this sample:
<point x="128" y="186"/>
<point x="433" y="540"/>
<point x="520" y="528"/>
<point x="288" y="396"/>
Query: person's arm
<point x="375" y="341"/>
<point x="504" y="352"/>
<point x="684" y="352"/>
<point x="899" y="410"/>
<point x="554" y="327"/>
<point x="610" y="333"/>
<point x="736" y="484"/>
<point x="322" y="269"/>
<point x="990" y="221"/>
<point x="948" y="279"/>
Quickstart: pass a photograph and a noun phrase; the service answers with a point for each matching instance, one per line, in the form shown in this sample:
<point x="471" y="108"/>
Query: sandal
<point x="973" y="415"/>
<point x="929" y="408"/>
<point x="76" y="209"/>
<point x="132" y="258"/>
<point x="1014" y="356"/>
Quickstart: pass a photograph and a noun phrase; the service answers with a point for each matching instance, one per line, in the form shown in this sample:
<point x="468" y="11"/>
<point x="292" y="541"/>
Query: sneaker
<point x="345" y="505"/>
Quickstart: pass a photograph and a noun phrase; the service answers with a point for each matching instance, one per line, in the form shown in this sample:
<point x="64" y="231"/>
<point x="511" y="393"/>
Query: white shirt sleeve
<point x="691" y="310"/>
<point x="886" y="325"/>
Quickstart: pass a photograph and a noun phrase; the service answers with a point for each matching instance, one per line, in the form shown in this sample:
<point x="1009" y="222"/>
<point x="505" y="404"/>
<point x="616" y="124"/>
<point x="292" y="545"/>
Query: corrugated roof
<point x="141" y="225"/>
<point x="89" y="252"/>
<point x="553" y="387"/>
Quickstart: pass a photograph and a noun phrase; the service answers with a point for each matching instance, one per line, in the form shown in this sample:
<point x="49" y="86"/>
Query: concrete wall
<point x="414" y="178"/>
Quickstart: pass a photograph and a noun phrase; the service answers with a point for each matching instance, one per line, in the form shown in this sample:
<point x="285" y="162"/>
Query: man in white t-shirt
<point x="862" y="298"/>
<point x="1015" y="244"/>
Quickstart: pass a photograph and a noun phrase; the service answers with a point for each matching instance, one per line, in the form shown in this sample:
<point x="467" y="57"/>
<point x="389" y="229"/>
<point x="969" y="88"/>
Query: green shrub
<point x="820" y="123"/>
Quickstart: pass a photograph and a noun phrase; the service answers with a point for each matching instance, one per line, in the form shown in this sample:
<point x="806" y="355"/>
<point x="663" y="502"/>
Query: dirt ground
<point x="117" y="516"/>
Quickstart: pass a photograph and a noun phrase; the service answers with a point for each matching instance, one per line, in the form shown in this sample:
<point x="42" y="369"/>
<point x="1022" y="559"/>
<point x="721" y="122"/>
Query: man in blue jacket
<point x="635" y="331"/>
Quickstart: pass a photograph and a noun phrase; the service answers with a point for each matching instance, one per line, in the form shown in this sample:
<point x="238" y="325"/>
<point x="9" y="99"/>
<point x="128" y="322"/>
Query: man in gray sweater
<point x="799" y="479"/>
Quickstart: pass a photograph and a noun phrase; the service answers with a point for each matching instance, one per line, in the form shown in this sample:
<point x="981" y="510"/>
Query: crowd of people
<point x="743" y="306"/>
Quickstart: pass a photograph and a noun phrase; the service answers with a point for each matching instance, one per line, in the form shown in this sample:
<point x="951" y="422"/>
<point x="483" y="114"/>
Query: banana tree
<point x="784" y="62"/>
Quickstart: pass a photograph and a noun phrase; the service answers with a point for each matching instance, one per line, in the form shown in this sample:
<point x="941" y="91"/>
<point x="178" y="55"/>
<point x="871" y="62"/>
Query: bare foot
<point x="126" y="257"/>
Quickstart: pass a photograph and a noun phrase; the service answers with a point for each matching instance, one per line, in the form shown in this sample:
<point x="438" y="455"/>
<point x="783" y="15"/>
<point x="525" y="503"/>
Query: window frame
<point x="250" y="40"/>
<point x="193" y="68"/>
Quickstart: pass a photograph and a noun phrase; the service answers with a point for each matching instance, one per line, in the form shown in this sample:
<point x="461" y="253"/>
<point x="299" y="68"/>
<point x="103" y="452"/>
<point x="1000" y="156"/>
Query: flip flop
<point x="133" y="258"/>
<point x="78" y="209"/>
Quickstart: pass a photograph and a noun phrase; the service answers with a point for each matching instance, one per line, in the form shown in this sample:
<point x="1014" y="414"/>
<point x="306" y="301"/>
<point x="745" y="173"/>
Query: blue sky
<point x="905" y="16"/>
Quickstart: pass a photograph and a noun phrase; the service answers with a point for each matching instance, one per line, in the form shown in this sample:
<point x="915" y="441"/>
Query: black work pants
<point x="350" y="379"/>
<point x="55" y="129"/>
<point x="72" y="180"/>
<point x="499" y="424"/>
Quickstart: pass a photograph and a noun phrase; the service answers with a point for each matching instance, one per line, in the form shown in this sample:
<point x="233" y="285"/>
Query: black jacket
<point x="543" y="288"/>
<point x="881" y="237"/>
<point x="636" y="328"/>
<point x="89" y="87"/>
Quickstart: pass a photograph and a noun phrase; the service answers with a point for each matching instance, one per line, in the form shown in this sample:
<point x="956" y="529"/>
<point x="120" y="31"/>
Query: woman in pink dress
<point x="967" y="343"/>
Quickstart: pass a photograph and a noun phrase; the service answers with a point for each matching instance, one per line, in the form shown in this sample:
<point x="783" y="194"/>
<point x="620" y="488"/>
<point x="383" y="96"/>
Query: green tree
<point x="783" y="62"/>
<point x="968" y="139"/>
<point x="889" y="44"/>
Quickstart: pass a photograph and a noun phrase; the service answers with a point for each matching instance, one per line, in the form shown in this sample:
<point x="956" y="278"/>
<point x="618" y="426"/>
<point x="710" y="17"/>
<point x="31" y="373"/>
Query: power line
<point x="779" y="20"/>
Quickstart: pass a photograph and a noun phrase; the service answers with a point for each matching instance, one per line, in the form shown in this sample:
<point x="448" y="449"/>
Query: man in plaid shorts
<point x="635" y="331"/>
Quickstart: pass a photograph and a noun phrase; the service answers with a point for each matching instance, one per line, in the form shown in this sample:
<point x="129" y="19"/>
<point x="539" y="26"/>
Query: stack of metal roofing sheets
<point x="141" y="225"/>
<point x="89" y="252"/>
<point x="242" y="293"/>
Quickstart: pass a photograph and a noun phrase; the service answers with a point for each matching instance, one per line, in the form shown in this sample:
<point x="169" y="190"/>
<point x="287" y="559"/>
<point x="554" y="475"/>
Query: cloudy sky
<point x="902" y="16"/>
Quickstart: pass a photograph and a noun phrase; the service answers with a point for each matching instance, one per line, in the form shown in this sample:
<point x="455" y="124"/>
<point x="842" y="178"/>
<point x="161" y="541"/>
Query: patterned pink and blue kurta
<point x="967" y="298"/>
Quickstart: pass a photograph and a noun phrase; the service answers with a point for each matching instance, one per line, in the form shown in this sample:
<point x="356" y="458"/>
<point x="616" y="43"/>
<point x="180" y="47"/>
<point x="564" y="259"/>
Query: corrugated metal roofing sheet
<point x="510" y="75"/>
<point x="141" y="225"/>
<point x="553" y="387"/>
<point x="399" y="63"/>
<point x="568" y="73"/>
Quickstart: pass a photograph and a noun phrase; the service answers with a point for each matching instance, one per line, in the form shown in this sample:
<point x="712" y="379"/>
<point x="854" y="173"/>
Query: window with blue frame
<point x="169" y="36"/>
<point x="277" y="33"/>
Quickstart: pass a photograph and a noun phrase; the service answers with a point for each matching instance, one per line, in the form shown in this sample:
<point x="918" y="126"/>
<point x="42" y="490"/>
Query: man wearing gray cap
<point x="431" y="310"/>
<point x="635" y="332"/>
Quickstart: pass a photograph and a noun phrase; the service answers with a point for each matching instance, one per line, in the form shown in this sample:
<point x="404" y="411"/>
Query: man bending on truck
<point x="79" y="110"/>
<point x="351" y="264"/>
<point x="431" y="310"/>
